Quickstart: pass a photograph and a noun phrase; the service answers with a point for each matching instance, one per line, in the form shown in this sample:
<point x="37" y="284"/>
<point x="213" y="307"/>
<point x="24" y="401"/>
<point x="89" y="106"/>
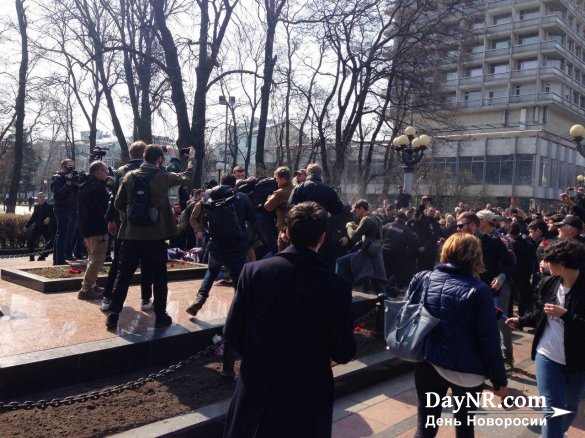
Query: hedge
<point x="12" y="233"/>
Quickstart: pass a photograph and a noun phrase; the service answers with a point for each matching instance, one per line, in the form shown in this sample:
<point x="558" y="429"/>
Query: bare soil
<point x="193" y="386"/>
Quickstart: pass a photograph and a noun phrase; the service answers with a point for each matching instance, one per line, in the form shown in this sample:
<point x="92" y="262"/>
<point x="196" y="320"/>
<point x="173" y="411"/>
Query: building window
<point x="544" y="114"/>
<point x="451" y="75"/>
<point x="527" y="14"/>
<point x="471" y="170"/>
<point x="477" y="49"/>
<point x="559" y="38"/>
<point x="501" y="44"/>
<point x="529" y="38"/>
<point x="472" y="95"/>
<point x="473" y="72"/>
<point x="524" y="169"/>
<point x="503" y="18"/>
<point x="527" y="64"/>
<point x="498" y="169"/>
<point x="500" y="68"/>
<point x="444" y="166"/>
<point x="543" y="172"/>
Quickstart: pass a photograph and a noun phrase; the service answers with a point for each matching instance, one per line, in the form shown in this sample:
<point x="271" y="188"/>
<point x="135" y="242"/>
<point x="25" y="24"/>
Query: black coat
<point x="314" y="189"/>
<point x="92" y="203"/>
<point x="290" y="317"/>
<point x="574" y="319"/>
<point x="40" y="213"/>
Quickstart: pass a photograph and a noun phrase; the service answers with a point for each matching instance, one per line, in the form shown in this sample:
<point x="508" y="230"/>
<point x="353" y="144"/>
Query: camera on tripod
<point x="75" y="176"/>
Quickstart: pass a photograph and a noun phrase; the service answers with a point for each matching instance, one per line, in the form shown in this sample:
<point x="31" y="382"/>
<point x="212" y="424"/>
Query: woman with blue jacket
<point x="464" y="348"/>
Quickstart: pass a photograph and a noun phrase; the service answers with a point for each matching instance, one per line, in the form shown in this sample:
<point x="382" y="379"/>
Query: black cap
<point x="572" y="220"/>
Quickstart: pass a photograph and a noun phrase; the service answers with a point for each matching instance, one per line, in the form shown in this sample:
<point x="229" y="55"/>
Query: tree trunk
<point x="173" y="70"/>
<point x="19" y="107"/>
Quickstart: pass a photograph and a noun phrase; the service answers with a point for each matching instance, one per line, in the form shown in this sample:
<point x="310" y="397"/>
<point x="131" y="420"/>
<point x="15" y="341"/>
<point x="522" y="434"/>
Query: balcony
<point x="523" y="74"/>
<point x="523" y="98"/>
<point x="496" y="77"/>
<point x="523" y="48"/>
<point x="495" y="53"/>
<point x="469" y="104"/>
<point x="474" y="80"/>
<point x="495" y="101"/>
<point x="495" y="28"/>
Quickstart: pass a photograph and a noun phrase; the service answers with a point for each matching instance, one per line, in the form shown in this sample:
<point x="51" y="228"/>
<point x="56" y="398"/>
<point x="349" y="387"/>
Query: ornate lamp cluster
<point x="411" y="148"/>
<point x="578" y="132"/>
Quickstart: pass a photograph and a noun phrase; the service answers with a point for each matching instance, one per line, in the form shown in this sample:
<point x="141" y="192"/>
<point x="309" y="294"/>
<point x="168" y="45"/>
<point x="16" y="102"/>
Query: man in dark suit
<point x="290" y="317"/>
<point x="38" y="225"/>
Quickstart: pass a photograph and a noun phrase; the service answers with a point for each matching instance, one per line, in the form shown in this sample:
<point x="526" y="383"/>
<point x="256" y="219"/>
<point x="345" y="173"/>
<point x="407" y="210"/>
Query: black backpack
<point x="222" y="220"/>
<point x="140" y="209"/>
<point x="263" y="188"/>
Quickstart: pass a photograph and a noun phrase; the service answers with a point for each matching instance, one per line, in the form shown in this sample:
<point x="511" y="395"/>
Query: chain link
<point x="108" y="392"/>
<point x="29" y="254"/>
<point x="134" y="384"/>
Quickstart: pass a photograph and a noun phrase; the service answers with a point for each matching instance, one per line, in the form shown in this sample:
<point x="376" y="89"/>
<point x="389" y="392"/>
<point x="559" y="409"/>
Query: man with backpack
<point x="147" y="221"/>
<point x="113" y="218"/>
<point x="225" y="215"/>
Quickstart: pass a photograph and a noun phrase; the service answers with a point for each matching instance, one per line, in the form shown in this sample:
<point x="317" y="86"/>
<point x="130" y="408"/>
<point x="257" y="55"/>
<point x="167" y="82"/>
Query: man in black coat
<point x="91" y="208"/>
<point x="38" y="225"/>
<point x="314" y="189"/>
<point x="290" y="317"/>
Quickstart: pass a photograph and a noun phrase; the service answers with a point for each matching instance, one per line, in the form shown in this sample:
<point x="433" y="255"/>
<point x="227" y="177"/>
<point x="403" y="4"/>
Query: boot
<point x="196" y="306"/>
<point x="32" y="258"/>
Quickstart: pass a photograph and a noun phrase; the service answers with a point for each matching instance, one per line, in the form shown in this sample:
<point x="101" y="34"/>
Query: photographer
<point x="38" y="225"/>
<point x="92" y="205"/>
<point x="65" y="209"/>
<point x="576" y="200"/>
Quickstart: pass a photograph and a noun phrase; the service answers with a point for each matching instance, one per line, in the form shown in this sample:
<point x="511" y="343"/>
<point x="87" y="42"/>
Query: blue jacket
<point x="467" y="338"/>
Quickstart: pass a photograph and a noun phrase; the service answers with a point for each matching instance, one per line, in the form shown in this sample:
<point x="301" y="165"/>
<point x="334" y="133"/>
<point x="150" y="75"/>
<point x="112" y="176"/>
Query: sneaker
<point x="112" y="321"/>
<point x="90" y="294"/>
<point x="162" y="321"/>
<point x="195" y="307"/>
<point x="146" y="305"/>
<point x="509" y="365"/>
<point x="106" y="304"/>
<point x="41" y="258"/>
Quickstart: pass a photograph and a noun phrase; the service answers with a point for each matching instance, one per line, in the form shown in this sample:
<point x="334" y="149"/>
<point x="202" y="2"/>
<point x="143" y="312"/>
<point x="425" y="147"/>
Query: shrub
<point x="12" y="233"/>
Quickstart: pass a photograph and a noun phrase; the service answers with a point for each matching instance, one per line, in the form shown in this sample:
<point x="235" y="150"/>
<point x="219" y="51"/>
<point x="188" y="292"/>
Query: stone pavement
<point x="388" y="410"/>
<point x="36" y="321"/>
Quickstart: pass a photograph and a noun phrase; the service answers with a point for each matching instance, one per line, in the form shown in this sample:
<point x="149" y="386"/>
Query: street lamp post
<point x="224" y="101"/>
<point x="411" y="150"/>
<point x="577" y="132"/>
<point x="219" y="166"/>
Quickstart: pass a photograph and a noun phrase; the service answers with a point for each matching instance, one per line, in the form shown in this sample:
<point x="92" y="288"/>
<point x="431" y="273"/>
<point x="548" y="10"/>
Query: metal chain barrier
<point x="135" y="384"/>
<point x="108" y="392"/>
<point x="28" y="254"/>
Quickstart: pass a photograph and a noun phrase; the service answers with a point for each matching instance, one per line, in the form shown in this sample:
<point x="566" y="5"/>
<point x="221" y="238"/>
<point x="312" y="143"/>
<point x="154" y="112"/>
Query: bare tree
<point x="19" y="106"/>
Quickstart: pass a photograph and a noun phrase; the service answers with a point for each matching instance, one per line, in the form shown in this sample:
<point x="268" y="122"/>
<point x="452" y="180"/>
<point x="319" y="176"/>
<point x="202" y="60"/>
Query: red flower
<point x="182" y="263"/>
<point x="357" y="329"/>
<point x="172" y="265"/>
<point x="545" y="243"/>
<point x="363" y="325"/>
<point x="72" y="271"/>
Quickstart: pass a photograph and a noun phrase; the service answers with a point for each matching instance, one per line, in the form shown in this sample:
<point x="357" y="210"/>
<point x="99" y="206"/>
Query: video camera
<point x="98" y="154"/>
<point x="75" y="176"/>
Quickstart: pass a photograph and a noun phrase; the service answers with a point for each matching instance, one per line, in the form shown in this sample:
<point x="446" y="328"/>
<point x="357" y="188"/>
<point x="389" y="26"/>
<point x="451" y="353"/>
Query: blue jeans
<point x="343" y="269"/>
<point x="503" y="302"/>
<point x="561" y="389"/>
<point x="65" y="235"/>
<point x="233" y="261"/>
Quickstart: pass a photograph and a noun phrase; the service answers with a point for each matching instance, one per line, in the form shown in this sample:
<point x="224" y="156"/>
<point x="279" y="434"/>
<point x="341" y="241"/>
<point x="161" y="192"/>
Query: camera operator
<point x="65" y="209"/>
<point x="38" y="225"/>
<point x="92" y="205"/>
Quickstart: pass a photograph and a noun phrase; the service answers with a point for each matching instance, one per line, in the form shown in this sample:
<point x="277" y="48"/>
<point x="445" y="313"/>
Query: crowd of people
<point x="295" y="225"/>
